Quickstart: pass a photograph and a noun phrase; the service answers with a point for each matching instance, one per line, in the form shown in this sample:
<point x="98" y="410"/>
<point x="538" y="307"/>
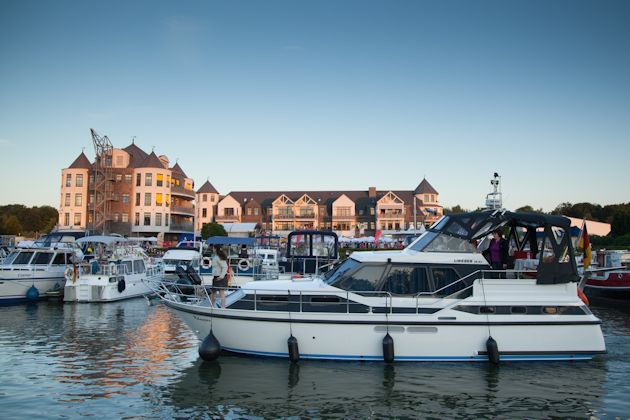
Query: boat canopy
<point x="227" y="240"/>
<point x="102" y="239"/>
<point x="556" y="258"/>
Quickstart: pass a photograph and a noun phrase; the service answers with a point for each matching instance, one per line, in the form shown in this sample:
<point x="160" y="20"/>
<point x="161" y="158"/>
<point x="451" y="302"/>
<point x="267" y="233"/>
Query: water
<point x="129" y="360"/>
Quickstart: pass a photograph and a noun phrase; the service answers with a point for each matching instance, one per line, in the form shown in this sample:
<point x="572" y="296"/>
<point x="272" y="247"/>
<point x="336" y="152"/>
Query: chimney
<point x="372" y="192"/>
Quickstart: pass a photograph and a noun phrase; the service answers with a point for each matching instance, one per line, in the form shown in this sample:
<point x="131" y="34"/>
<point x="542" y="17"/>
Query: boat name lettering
<point x="463" y="260"/>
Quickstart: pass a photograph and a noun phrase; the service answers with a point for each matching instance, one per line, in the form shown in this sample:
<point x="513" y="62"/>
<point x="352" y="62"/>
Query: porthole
<point x="487" y="309"/>
<point x="519" y="309"/>
<point x="550" y="310"/>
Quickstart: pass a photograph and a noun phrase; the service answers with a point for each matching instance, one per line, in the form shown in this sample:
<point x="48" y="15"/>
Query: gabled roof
<point x="179" y="169"/>
<point x="136" y="155"/>
<point x="424" y="188"/>
<point x="81" y="162"/>
<point x="207" y="187"/>
<point x="152" y="161"/>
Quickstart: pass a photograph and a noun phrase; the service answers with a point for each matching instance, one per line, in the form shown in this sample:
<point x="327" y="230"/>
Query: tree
<point x="620" y="223"/>
<point x="454" y="210"/>
<point x="530" y="209"/>
<point x="12" y="226"/>
<point x="212" y="229"/>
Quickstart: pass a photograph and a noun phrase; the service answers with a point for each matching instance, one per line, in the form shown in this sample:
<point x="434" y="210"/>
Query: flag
<point x="585" y="244"/>
<point x="377" y="235"/>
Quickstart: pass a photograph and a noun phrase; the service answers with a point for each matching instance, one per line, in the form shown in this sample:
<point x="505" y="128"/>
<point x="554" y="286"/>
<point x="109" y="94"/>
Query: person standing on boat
<point x="219" y="271"/>
<point x="497" y="252"/>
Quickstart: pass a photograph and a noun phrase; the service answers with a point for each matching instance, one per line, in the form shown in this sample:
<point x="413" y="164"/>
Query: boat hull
<point x="13" y="289"/>
<point x="100" y="289"/>
<point x="613" y="284"/>
<point x="416" y="337"/>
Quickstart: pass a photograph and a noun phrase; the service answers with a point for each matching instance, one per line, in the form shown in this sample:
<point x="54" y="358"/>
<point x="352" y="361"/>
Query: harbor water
<point x="131" y="360"/>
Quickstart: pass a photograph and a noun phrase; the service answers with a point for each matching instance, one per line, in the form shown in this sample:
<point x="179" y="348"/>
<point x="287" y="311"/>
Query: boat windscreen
<point x="333" y="275"/>
<point x="442" y="242"/>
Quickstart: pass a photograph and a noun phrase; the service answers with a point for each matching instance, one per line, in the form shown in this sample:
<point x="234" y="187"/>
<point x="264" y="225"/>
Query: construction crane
<point x="103" y="179"/>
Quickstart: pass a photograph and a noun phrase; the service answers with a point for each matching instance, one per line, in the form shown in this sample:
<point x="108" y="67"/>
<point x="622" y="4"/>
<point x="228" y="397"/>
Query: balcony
<point x="181" y="191"/>
<point x="227" y="218"/>
<point x="284" y="216"/>
<point x="306" y="216"/>
<point x="185" y="210"/>
<point x="181" y="227"/>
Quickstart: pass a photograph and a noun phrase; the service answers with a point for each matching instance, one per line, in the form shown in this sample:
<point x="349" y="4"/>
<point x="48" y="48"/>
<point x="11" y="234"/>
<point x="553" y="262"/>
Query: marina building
<point x="129" y="192"/>
<point x="348" y="213"/>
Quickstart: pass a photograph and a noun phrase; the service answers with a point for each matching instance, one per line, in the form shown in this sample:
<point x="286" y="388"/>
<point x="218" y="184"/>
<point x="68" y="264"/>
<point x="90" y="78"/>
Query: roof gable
<point x="136" y="155"/>
<point x="425" y="188"/>
<point x="152" y="161"/>
<point x="179" y="169"/>
<point x="206" y="188"/>
<point x="81" y="162"/>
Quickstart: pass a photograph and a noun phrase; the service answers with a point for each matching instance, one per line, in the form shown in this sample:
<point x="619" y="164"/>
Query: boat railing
<point x="113" y="269"/>
<point x="338" y="301"/>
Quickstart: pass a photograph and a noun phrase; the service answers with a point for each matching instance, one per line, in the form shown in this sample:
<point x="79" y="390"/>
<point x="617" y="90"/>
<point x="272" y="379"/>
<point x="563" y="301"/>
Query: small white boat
<point x="119" y="270"/>
<point x="29" y="273"/>
<point x="437" y="300"/>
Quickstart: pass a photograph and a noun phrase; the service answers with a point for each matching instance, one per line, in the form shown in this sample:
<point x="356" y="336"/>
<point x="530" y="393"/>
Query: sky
<point x="325" y="95"/>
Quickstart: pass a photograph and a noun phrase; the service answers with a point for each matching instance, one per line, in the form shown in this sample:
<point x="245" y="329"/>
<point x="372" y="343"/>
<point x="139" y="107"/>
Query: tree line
<point x="17" y="219"/>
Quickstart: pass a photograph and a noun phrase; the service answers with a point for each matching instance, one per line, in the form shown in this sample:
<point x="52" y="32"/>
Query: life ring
<point x="206" y="263"/>
<point x="121" y="285"/>
<point x="619" y="276"/>
<point x="68" y="273"/>
<point x="582" y="296"/>
<point x="113" y="269"/>
<point x="244" y="265"/>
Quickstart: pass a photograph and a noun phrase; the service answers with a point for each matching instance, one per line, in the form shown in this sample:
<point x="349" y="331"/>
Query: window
<point x="159" y="180"/>
<point x="148" y="180"/>
<point x="204" y="213"/>
<point x="204" y="197"/>
<point x="116" y="217"/>
<point x="168" y="200"/>
<point x="77" y="219"/>
<point x="23" y="258"/>
<point x="67" y="201"/>
<point x="165" y="219"/>
<point x="158" y="219"/>
<point x="147" y="219"/>
<point x="138" y="179"/>
<point x="158" y="199"/>
<point x="212" y="198"/>
<point x="442" y="277"/>
<point x="91" y="199"/>
<point x="69" y="180"/>
<point x="137" y="220"/>
<point x="127" y="177"/>
<point x="255" y="211"/>
<point x="371" y="211"/>
<point x="249" y="211"/>
<point x="125" y="217"/>
<point x="125" y="198"/>
<point x="118" y="177"/>
<point x="42" y="258"/>
<point x="147" y="199"/>
<point x="229" y="211"/>
<point x="79" y="180"/>
<point x="78" y="200"/>
<point x="365" y="279"/>
<point x="60" y="259"/>
<point x="407" y="280"/>
<point x="137" y="199"/>
<point x="168" y="180"/>
<point x="138" y="266"/>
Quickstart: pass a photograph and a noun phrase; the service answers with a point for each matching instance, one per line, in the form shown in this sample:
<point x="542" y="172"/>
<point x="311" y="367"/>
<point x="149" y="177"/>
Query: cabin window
<point x="23" y="258"/>
<point x="42" y="258"/>
<point x="138" y="266"/>
<point x="407" y="280"/>
<point x="60" y="259"/>
<point x="365" y="279"/>
<point x="127" y="266"/>
<point x="443" y="277"/>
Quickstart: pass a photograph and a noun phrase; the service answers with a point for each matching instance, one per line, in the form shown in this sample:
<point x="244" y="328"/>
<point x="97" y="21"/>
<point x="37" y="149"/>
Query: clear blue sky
<point x="316" y="95"/>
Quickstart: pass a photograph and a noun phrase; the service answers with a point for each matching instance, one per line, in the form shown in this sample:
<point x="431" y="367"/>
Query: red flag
<point x="377" y="235"/>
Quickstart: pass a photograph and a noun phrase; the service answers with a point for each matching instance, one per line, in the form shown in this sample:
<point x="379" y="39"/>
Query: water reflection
<point x="269" y="388"/>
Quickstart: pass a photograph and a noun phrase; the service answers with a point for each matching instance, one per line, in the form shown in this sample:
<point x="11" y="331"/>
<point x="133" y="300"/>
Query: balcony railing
<point x="284" y="216"/>
<point x="179" y="190"/>
<point x="189" y="211"/>
<point x="225" y="218"/>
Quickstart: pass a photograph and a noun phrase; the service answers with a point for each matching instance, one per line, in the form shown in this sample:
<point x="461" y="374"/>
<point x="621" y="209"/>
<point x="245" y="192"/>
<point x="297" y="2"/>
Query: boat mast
<point x="494" y="200"/>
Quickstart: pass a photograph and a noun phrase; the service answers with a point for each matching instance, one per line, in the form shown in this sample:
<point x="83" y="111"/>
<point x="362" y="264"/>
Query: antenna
<point x="494" y="200"/>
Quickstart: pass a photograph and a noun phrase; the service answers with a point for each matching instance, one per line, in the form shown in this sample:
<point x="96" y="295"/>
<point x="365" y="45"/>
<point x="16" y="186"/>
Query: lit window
<point x="168" y="200"/>
<point x="125" y="218"/>
<point x="159" y="180"/>
<point x="158" y="199"/>
<point x="168" y="180"/>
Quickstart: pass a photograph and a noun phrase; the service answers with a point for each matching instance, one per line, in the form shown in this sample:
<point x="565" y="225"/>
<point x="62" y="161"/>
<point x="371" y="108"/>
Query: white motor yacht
<point x="118" y="270"/>
<point x="29" y="273"/>
<point x="436" y="300"/>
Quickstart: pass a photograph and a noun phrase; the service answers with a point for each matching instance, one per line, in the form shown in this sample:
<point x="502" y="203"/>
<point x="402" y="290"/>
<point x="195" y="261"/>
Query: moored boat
<point x="118" y="270"/>
<point x="437" y="300"/>
<point x="610" y="276"/>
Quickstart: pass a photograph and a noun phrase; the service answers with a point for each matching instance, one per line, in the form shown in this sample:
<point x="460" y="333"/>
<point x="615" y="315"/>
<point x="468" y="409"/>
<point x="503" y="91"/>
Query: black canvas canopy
<point x="556" y="258"/>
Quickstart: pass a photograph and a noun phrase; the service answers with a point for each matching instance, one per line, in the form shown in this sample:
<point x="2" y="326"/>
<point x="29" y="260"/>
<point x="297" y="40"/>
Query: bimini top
<point x="102" y="239"/>
<point x="459" y="232"/>
<point x="227" y="240"/>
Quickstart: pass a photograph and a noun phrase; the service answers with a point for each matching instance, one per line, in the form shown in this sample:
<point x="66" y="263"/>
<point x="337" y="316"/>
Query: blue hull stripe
<point x="523" y="357"/>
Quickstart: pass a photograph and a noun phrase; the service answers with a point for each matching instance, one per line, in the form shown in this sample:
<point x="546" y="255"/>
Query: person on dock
<point x="219" y="272"/>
